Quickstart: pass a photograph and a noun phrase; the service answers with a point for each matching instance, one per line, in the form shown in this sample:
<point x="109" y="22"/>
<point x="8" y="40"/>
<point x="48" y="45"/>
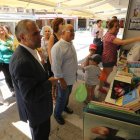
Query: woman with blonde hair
<point x="6" y="46"/>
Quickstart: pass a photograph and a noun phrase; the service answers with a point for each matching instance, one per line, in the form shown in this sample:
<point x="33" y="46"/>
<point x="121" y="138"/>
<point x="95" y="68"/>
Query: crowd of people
<point x="43" y="68"/>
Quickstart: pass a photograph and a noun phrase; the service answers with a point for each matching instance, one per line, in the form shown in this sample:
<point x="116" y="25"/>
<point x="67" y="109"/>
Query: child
<point x="92" y="50"/>
<point x="92" y="73"/>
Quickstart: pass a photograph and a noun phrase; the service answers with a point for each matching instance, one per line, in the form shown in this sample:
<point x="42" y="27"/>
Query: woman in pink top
<point x="111" y="45"/>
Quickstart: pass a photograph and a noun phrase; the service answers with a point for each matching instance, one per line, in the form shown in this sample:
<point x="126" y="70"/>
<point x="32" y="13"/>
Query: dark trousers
<point x="5" y="69"/>
<point x="41" y="132"/>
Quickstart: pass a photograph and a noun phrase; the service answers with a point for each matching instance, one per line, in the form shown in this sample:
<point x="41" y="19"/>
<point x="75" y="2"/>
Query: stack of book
<point x="113" y="111"/>
<point x="122" y="64"/>
<point x="134" y="68"/>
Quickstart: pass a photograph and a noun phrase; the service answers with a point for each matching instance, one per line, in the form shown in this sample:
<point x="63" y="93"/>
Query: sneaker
<point x="102" y="90"/>
<point x="68" y="110"/>
<point x="60" y="120"/>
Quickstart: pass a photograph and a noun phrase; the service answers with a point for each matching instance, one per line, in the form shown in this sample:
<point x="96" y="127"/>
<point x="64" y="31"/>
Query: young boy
<point x="92" y="73"/>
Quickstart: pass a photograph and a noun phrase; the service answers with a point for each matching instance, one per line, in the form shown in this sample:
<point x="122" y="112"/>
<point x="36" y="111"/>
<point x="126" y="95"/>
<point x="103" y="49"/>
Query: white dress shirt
<point x="34" y="53"/>
<point x="64" y="61"/>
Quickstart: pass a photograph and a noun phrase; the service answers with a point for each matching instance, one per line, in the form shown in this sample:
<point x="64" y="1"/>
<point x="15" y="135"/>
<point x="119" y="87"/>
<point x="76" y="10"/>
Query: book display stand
<point x="118" y="117"/>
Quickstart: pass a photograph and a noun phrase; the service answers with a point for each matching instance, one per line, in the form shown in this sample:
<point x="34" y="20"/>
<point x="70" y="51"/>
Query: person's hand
<point x="42" y="61"/>
<point x="53" y="80"/>
<point x="63" y="83"/>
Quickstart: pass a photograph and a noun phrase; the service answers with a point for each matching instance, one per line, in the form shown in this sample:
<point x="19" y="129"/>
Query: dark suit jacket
<point x="33" y="90"/>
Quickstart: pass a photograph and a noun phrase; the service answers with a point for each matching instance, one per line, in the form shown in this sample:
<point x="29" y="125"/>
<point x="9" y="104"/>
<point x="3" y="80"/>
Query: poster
<point x="103" y="128"/>
<point x="134" y="23"/>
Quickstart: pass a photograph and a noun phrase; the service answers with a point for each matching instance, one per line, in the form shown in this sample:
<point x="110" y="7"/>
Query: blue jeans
<point x="62" y="99"/>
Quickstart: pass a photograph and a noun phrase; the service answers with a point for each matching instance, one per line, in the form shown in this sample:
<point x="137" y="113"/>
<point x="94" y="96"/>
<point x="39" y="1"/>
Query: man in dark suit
<point x="32" y="86"/>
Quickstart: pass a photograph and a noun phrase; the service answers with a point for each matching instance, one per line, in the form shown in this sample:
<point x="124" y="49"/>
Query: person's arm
<point x="82" y="68"/>
<point x="57" y="57"/>
<point x="63" y="83"/>
<point x="50" y="45"/>
<point x="125" y="41"/>
<point x="86" y="62"/>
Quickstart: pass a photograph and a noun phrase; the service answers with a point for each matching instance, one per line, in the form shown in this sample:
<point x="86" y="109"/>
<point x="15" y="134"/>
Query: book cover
<point x="120" y="88"/>
<point x="121" y="84"/>
<point x="98" y="127"/>
<point x="128" y="98"/>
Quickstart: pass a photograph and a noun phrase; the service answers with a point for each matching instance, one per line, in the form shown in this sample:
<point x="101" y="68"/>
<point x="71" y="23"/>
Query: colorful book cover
<point x="129" y="99"/>
<point x="121" y="84"/>
<point x="120" y="88"/>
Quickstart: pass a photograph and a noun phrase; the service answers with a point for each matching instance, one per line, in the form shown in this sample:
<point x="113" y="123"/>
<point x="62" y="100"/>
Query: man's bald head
<point x="68" y="32"/>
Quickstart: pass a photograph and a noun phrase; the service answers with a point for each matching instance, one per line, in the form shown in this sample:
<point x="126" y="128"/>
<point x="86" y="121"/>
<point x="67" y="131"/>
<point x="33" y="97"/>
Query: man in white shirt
<point x="98" y="28"/>
<point x="64" y="67"/>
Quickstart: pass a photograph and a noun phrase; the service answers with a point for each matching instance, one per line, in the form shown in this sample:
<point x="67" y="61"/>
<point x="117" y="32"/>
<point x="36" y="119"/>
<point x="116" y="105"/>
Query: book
<point x="97" y="127"/>
<point x="118" y="114"/>
<point x="111" y="106"/>
<point x="121" y="84"/>
<point x="135" y="107"/>
<point x="108" y="98"/>
<point x="131" y="98"/>
<point x="135" y="71"/>
<point x="133" y="64"/>
<point x="123" y="76"/>
<point x="120" y="88"/>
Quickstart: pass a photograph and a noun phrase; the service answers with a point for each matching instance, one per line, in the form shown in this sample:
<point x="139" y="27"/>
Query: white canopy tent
<point x="103" y="9"/>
